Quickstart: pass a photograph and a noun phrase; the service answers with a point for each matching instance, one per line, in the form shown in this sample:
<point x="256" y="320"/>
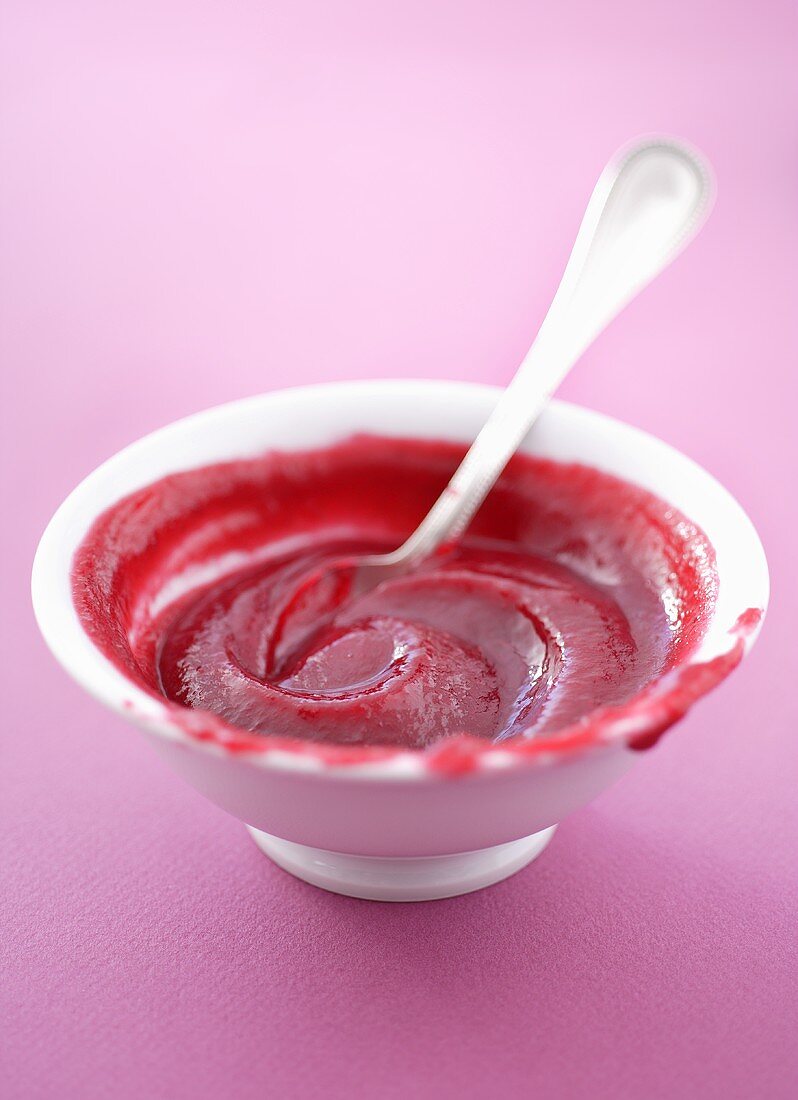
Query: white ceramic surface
<point x="399" y="878"/>
<point x="397" y="807"/>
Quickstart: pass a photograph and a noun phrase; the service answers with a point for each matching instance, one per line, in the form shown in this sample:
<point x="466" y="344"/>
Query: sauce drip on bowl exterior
<point x="572" y="591"/>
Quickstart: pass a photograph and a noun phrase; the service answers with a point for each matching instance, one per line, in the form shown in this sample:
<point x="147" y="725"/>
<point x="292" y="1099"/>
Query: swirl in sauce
<point x="572" y="591"/>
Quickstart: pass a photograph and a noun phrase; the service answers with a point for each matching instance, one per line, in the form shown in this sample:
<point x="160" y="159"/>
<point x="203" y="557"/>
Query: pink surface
<point x="202" y="201"/>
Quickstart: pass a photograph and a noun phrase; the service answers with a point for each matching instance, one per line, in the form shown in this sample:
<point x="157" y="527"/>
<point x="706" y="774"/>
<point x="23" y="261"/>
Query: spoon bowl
<point x="650" y="200"/>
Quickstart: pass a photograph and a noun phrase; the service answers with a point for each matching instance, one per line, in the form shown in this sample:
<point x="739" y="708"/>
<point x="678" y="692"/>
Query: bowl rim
<point x="635" y="724"/>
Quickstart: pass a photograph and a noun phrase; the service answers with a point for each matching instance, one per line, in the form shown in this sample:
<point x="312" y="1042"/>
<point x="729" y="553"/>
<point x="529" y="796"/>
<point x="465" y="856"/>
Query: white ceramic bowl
<point x="395" y="828"/>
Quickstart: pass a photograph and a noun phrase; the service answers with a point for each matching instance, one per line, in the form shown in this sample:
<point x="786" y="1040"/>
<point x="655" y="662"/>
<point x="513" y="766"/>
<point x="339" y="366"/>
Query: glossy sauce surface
<point x="572" y="591"/>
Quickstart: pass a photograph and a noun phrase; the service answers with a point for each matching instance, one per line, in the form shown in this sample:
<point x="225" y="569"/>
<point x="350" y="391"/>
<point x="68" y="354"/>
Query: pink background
<point x="205" y="200"/>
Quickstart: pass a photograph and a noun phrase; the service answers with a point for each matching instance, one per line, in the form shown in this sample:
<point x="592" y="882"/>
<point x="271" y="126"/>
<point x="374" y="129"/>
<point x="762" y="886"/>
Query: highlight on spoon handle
<point x="649" y="202"/>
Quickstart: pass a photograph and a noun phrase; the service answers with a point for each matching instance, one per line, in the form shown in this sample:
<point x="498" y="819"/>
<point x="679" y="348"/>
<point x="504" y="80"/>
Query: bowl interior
<point x="316" y="416"/>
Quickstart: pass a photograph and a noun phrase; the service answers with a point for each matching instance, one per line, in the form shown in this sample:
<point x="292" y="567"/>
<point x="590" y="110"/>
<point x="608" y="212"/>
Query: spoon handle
<point x="649" y="202"/>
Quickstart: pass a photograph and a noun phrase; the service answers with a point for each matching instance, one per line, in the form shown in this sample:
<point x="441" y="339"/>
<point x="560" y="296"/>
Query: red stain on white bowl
<point x="565" y="619"/>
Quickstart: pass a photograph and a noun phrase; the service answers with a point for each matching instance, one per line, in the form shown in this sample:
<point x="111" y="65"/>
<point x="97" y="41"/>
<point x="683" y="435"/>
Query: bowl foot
<point x="422" y="878"/>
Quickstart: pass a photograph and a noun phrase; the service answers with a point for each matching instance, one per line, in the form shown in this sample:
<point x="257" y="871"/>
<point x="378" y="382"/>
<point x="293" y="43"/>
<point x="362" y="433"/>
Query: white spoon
<point x="650" y="200"/>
